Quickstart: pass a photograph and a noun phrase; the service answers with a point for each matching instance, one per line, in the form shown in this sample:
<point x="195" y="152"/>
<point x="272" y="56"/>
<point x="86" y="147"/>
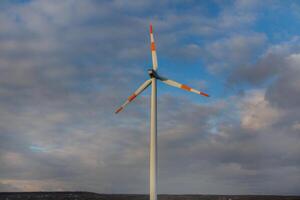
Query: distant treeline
<point x="95" y="196"/>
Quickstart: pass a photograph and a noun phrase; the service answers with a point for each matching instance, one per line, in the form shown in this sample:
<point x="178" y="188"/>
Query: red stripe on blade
<point x="131" y="97"/>
<point x="185" y="87"/>
<point x="152" y="46"/>
<point x="151" y="28"/>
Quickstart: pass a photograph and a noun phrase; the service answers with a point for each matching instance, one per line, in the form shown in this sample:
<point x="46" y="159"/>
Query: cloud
<point x="273" y="62"/>
<point x="256" y="112"/>
<point x="233" y="51"/>
<point x="279" y="67"/>
<point x="287" y="85"/>
<point x="7" y="188"/>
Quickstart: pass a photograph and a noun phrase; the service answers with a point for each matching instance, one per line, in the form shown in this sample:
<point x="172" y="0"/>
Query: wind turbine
<point x="153" y="120"/>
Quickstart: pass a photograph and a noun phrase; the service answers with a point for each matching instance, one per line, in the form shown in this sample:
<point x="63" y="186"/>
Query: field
<point x="95" y="196"/>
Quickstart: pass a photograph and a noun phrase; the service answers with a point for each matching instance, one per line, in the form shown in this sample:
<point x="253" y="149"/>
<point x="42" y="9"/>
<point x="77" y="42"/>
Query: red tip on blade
<point x="151" y="30"/>
<point x="204" y="94"/>
<point x="119" y="109"/>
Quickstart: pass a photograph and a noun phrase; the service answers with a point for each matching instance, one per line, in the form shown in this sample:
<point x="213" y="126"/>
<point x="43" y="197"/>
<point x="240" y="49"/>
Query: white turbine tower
<point x="153" y="121"/>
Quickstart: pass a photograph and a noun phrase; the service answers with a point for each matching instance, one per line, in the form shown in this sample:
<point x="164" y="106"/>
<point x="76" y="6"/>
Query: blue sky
<point x="65" y="66"/>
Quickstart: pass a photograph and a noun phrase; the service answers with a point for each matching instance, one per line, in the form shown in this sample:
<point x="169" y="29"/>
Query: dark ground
<point x="95" y="196"/>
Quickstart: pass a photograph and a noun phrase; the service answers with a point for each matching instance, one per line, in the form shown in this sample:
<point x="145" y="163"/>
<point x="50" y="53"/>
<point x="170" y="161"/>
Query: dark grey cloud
<point x="273" y="62"/>
<point x="234" y="51"/>
<point x="285" y="91"/>
<point x="278" y="70"/>
<point x="256" y="74"/>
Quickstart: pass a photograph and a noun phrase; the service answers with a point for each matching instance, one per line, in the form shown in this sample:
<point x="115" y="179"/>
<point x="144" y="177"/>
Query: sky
<point x="65" y="66"/>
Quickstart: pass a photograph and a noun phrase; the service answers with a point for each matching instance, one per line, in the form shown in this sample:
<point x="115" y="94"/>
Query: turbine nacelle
<point x="152" y="73"/>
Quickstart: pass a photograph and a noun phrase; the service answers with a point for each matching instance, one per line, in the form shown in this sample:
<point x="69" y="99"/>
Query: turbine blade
<point x="134" y="95"/>
<point x="181" y="86"/>
<point x="153" y="49"/>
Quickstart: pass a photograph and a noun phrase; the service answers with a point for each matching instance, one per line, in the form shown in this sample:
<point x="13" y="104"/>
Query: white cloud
<point x="256" y="111"/>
